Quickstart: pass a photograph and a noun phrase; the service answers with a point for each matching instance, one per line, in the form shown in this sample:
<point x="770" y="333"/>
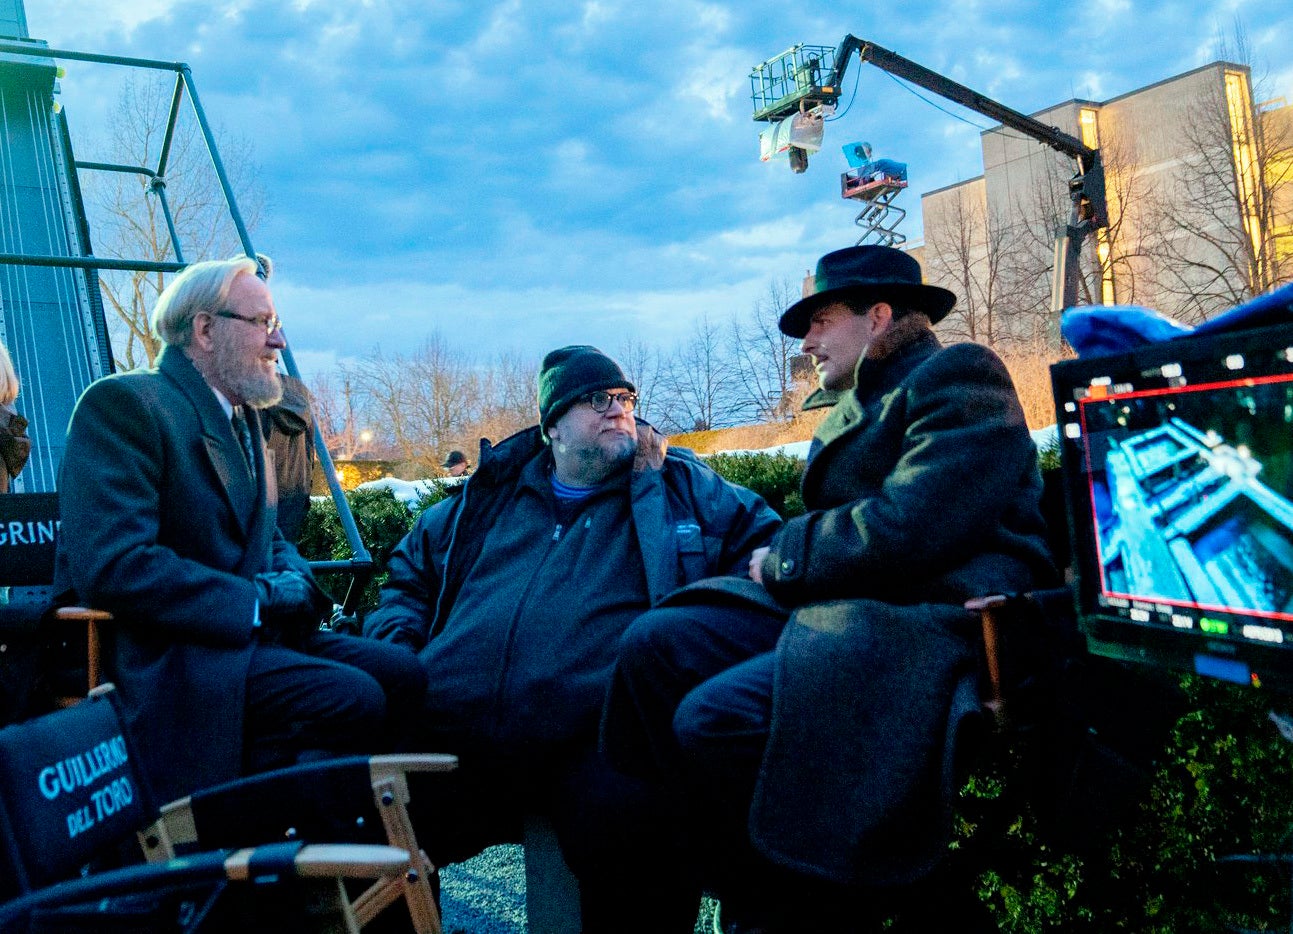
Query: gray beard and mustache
<point x="596" y="463"/>
<point x="246" y="379"/>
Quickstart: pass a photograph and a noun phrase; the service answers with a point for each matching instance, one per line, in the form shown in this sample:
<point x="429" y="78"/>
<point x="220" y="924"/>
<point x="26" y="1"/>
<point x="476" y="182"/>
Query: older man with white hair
<point x="168" y="506"/>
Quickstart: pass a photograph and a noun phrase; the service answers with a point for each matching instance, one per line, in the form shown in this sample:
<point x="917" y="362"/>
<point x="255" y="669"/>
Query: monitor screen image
<point x="1188" y="496"/>
<point x="1178" y="468"/>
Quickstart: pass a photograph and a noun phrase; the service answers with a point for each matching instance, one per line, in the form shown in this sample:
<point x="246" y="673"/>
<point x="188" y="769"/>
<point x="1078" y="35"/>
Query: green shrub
<point x="1221" y="787"/>
<point x="775" y="477"/>
<point x="1048" y="456"/>
<point x="382" y="521"/>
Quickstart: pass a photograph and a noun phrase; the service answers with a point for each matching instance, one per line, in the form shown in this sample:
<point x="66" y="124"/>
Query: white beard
<point x="250" y="382"/>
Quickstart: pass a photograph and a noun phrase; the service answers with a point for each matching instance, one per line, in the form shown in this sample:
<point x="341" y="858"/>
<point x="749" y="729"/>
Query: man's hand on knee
<point x="289" y="597"/>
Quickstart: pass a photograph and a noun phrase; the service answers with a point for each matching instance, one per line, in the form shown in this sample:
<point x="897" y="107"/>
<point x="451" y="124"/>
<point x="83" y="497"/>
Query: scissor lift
<point x="879" y="216"/>
<point x="875" y="183"/>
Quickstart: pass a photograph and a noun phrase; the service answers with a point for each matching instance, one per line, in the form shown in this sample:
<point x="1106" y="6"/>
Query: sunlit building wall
<point x="1183" y="185"/>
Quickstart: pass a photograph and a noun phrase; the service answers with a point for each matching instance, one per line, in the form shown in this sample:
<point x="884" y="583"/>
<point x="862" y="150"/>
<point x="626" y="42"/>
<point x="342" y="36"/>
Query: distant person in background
<point x="457" y="464"/>
<point x="288" y="426"/>
<point x="15" y="446"/>
<point x="289" y="433"/>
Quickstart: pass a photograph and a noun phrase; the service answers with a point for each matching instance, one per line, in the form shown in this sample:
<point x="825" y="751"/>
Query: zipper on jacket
<point x="504" y="671"/>
<point x="436" y="622"/>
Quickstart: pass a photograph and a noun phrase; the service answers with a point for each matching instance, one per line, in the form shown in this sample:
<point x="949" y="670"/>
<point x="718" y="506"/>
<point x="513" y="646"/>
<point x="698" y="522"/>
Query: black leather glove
<point x="283" y="593"/>
<point x="290" y="602"/>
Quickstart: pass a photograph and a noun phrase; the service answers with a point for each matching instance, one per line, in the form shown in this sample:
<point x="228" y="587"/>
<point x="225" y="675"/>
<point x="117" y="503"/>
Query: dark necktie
<point x="243" y="434"/>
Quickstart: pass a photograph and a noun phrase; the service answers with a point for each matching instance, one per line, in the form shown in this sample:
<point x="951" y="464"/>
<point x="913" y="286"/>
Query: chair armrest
<point x="348" y="861"/>
<point x="382" y="766"/>
<point x="80" y="614"/>
<point x="324" y="860"/>
<point x="94" y="651"/>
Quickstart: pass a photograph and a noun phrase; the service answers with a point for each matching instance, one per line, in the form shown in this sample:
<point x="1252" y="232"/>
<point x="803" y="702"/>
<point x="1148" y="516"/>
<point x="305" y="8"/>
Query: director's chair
<point x="72" y="799"/>
<point x="351" y="800"/>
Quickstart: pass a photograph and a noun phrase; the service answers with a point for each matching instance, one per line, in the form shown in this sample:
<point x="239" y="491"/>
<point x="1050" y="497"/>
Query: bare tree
<point x="763" y="356"/>
<point x="505" y="401"/>
<point x="420" y="400"/>
<point x="644" y="368"/>
<point x="969" y="253"/>
<point x="1218" y="225"/>
<point x="1027" y="266"/>
<point x="700" y="385"/>
<point x="1008" y="282"/>
<point x="328" y="405"/>
<point x="127" y="216"/>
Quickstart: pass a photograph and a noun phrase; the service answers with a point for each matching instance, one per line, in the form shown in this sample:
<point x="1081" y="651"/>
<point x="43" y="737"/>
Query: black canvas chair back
<point x="70" y="790"/>
<point x="49" y="653"/>
<point x="326" y="801"/>
<point x="353" y="800"/>
<point x="28" y="537"/>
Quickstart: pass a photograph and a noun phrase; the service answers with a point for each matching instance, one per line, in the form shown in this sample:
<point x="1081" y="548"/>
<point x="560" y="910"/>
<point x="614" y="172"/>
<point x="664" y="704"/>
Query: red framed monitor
<point x="1178" y="470"/>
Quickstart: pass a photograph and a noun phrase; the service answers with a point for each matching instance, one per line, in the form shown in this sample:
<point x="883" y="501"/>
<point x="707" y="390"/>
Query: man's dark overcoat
<point x="922" y="490"/>
<point x="164" y="527"/>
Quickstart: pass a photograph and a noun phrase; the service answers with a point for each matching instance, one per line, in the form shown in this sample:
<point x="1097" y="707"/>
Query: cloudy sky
<point x="522" y="174"/>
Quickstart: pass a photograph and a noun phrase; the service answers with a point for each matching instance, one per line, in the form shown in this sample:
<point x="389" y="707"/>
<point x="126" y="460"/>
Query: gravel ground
<point x="486" y="895"/>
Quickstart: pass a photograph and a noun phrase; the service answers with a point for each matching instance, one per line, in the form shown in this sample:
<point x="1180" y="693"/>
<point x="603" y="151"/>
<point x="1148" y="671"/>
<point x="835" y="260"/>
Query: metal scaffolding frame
<point x="360" y="564"/>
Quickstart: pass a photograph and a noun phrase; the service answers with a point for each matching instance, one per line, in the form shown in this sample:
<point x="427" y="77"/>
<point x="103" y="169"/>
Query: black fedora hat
<point x="865" y="271"/>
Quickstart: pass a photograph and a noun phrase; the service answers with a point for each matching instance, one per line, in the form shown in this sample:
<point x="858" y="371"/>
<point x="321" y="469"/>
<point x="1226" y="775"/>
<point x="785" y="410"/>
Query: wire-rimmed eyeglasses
<point x="601" y="400"/>
<point x="270" y="323"/>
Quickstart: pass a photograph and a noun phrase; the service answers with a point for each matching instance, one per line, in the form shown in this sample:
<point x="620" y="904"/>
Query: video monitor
<point x="1178" y="470"/>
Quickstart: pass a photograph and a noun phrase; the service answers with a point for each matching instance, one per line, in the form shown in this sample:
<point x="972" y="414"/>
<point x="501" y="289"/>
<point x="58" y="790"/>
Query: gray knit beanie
<point x="571" y="372"/>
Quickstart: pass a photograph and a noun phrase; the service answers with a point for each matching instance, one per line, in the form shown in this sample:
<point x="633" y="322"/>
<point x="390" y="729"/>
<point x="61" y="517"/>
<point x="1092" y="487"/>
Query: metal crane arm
<point x="908" y="70"/>
<point x="1086" y="188"/>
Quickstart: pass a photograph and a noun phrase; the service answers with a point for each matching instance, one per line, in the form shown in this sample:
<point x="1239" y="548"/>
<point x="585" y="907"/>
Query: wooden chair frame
<point x="177" y="828"/>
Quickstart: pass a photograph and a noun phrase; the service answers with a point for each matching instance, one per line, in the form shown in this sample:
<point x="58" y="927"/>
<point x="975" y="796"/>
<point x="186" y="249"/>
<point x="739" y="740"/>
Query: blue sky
<point x="520" y="175"/>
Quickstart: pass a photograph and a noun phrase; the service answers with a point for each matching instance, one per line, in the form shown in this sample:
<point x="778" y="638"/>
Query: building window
<point x="1247" y="167"/>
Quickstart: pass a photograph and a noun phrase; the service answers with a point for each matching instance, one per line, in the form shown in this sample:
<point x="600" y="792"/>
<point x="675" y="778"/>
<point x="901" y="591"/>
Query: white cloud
<point x="530" y="173"/>
<point x="1112" y="9"/>
<point x="1090" y="85"/>
<point x="720" y="81"/>
<point x="777" y="235"/>
<point x="81" y="20"/>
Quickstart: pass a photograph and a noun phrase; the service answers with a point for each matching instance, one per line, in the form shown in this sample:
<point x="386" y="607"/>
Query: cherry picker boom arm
<point x="1086" y="188"/>
<point x="908" y="70"/>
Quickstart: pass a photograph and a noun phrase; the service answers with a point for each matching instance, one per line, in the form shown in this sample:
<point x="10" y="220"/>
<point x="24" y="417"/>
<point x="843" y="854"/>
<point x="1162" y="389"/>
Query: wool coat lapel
<point x="223" y="450"/>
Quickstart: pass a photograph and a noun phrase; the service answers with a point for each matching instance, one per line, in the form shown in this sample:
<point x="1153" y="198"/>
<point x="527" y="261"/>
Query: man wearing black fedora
<point x="810" y="713"/>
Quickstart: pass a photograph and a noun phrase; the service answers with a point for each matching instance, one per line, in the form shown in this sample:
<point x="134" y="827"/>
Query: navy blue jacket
<point x="525" y="655"/>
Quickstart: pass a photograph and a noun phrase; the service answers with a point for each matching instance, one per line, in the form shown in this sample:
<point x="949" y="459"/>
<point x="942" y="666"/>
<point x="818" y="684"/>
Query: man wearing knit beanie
<point x="589" y="441"/>
<point x="570" y="372"/>
<point x="515" y="593"/>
